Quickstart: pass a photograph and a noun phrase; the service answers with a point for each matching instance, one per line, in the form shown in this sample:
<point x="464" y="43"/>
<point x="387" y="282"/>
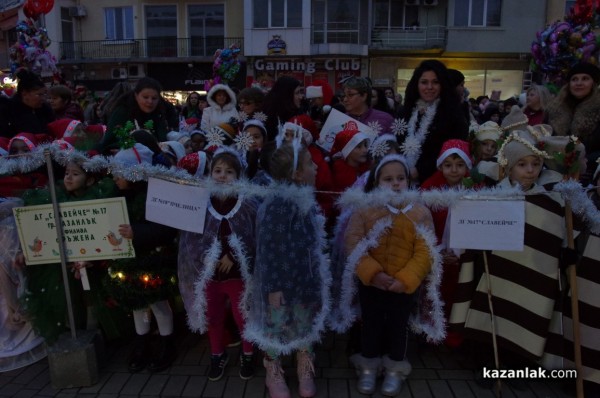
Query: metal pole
<point x="61" y="244"/>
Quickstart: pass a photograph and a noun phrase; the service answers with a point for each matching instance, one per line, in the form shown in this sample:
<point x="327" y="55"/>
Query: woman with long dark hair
<point x="285" y="100"/>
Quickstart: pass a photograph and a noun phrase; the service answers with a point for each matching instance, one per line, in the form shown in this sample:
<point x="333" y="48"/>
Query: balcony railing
<point x="409" y="38"/>
<point x="146" y="48"/>
<point x="339" y="33"/>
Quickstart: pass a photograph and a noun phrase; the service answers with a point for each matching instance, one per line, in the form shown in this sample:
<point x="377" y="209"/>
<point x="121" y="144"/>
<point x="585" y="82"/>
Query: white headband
<point x="393" y="157"/>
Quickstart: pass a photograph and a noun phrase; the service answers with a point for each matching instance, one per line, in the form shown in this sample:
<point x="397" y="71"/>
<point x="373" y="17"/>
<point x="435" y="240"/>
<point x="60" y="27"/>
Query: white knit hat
<point x="174" y="148"/>
<point x="136" y="155"/>
<point x="488" y="131"/>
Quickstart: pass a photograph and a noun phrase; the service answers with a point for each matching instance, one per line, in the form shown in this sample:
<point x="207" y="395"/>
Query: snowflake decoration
<point x="243" y="141"/>
<point x="379" y="149"/>
<point x="260" y="116"/>
<point x="411" y="146"/>
<point x="241" y="116"/>
<point x="215" y="137"/>
<point x="399" y="126"/>
<point x="375" y="126"/>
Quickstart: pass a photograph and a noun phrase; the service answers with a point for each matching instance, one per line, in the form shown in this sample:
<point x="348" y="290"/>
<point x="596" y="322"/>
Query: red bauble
<point x="40" y="6"/>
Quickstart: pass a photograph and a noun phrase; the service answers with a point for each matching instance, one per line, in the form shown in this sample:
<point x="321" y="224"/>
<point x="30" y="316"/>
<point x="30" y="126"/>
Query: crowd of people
<point x="299" y="239"/>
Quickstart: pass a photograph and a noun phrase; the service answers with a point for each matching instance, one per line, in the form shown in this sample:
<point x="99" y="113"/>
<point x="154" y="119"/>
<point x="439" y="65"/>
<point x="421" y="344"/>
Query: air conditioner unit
<point x="119" y="73"/>
<point x="411" y="2"/>
<point x="77" y="11"/>
<point x="135" y="70"/>
<point x="430" y="3"/>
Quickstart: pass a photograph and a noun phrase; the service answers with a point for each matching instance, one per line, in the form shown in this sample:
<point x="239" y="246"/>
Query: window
<point x="394" y="14"/>
<point x="118" y="23"/>
<point x="277" y="13"/>
<point x="477" y="13"/>
<point x="339" y="21"/>
<point x="207" y="28"/>
<point x="161" y="31"/>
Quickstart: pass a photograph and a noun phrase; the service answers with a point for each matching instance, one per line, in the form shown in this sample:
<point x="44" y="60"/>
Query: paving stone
<point x="455" y="374"/>
<point x="194" y="386"/>
<point x="440" y="389"/>
<point x="155" y="384"/>
<point x="255" y="388"/>
<point x="25" y="393"/>
<point x="31" y="372"/>
<point x="418" y="374"/>
<point x="10" y="389"/>
<point x="338" y="388"/>
<point x="115" y="383"/>
<point x="214" y="388"/>
<point x="460" y="388"/>
<point x="174" y="386"/>
<point x="419" y="388"/>
<point x="42" y="380"/>
<point x="235" y="387"/>
<point x="135" y="384"/>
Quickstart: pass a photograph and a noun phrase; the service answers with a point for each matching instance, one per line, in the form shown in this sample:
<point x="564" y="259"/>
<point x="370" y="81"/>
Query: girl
<point x="222" y="107"/>
<point x="143" y="285"/>
<point x="213" y="266"/>
<point x="350" y="150"/>
<point x="391" y="255"/>
<point x="291" y="274"/>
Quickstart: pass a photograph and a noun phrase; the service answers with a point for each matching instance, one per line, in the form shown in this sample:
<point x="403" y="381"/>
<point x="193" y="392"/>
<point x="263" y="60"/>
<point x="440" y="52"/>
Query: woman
<point x="142" y="105"/>
<point x="434" y="117"/>
<point x="285" y="100"/>
<point x="380" y="102"/>
<point x="250" y="100"/>
<point x="27" y="110"/>
<point x="222" y="109"/>
<point x="576" y="111"/>
<point x="537" y="100"/>
<point x="110" y="101"/>
<point x="357" y="99"/>
<point x="191" y="108"/>
<point x="61" y="101"/>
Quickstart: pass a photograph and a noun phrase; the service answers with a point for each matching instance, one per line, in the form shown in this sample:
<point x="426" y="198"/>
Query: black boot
<point x="164" y="355"/>
<point x="139" y="355"/>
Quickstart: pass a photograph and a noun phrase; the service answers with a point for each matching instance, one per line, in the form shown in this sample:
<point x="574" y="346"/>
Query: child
<point x="256" y="130"/>
<point x="213" y="266"/>
<point x="390" y="271"/>
<point x="485" y="145"/>
<point x="350" y="149"/>
<point x="20" y="150"/>
<point x="291" y="274"/>
<point x="525" y="283"/>
<point x="146" y="283"/>
<point x="198" y="140"/>
<point x="453" y="165"/>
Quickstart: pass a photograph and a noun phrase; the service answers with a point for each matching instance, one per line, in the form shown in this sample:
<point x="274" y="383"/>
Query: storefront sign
<point x="90" y="230"/>
<point x="276" y="46"/>
<point x="332" y="64"/>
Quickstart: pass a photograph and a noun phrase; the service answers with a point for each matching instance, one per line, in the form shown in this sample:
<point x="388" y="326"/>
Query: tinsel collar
<point x="411" y="147"/>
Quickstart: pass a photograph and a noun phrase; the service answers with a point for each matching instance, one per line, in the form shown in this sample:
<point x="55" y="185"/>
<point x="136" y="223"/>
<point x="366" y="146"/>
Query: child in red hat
<point x="453" y="163"/>
<point x="350" y="150"/>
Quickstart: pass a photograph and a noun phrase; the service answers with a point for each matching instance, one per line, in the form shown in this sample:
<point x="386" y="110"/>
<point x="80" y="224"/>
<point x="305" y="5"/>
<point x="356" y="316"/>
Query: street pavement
<point x="437" y="373"/>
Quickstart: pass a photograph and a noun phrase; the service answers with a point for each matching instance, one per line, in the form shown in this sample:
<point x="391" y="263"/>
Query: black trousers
<point x="384" y="322"/>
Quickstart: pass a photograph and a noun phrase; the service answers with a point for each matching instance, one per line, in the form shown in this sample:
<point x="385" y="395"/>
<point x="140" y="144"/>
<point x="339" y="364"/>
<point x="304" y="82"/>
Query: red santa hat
<point x="29" y="139"/>
<point x="456" y="147"/>
<point x="95" y="131"/>
<point x="346" y="140"/>
<point x="325" y="90"/>
<point x="63" y="127"/>
<point x="64" y="144"/>
<point x="195" y="163"/>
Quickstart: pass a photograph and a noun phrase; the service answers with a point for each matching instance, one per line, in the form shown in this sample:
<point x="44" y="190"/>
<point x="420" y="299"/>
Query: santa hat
<point x="194" y="163"/>
<point x="488" y="131"/>
<point x="313" y="92"/>
<point x="63" y="127"/>
<point x="346" y="140"/>
<point x="134" y="156"/>
<point x="64" y="144"/>
<point x="515" y="120"/>
<point x="174" y="135"/>
<point x="192" y="121"/>
<point x="28" y="138"/>
<point x="95" y="131"/>
<point x="326" y="90"/>
<point x="256" y="123"/>
<point x="455" y="147"/>
<point x="173" y="148"/>
<point x="309" y="127"/>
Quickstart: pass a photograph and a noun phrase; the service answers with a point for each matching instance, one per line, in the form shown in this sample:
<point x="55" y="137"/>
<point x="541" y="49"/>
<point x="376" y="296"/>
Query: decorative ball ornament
<point x="41" y="6"/>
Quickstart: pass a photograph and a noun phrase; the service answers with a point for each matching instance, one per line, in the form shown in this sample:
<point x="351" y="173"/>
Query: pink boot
<point x="275" y="381"/>
<point x="306" y="373"/>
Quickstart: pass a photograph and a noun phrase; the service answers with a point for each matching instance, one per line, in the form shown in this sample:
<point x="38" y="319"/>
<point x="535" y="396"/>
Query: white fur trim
<point x="217" y="87"/>
<point x="353" y="143"/>
<point x="197" y="319"/>
<point x="314" y="92"/>
<point x="202" y="159"/>
<point x="455" y="151"/>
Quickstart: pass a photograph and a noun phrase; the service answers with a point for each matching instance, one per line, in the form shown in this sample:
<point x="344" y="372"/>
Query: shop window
<point x="207" y="28"/>
<point x="477" y="13"/>
<point x="161" y="31"/>
<point x="277" y="13"/>
<point x="118" y="23"/>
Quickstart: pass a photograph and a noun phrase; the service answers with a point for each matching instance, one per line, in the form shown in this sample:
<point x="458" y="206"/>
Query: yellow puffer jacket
<point x="400" y="253"/>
